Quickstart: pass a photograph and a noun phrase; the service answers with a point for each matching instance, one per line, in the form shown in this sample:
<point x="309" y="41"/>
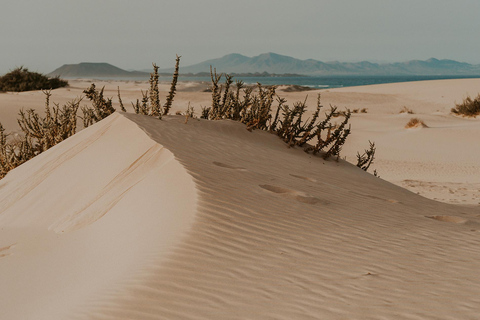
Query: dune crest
<point x="87" y="216"/>
<point x="206" y="220"/>
<point x="256" y="250"/>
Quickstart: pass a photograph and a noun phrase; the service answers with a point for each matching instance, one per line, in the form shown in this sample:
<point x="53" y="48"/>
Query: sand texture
<point x="136" y="218"/>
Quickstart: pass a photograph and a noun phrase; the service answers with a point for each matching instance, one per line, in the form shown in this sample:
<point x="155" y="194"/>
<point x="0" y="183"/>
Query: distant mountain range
<point x="272" y="63"/>
<point x="279" y="64"/>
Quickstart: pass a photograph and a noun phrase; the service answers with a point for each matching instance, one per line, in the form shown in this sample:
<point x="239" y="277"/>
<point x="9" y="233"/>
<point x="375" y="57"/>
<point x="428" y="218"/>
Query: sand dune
<point x="86" y="216"/>
<point x="136" y="218"/>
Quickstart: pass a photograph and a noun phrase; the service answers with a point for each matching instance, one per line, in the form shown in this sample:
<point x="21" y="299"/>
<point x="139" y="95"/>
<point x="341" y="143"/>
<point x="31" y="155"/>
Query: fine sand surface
<point x="136" y="218"/>
<point x="440" y="162"/>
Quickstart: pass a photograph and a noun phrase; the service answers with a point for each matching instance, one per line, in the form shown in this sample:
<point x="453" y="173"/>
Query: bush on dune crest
<point x="41" y="133"/>
<point x="256" y="110"/>
<point x="252" y="106"/>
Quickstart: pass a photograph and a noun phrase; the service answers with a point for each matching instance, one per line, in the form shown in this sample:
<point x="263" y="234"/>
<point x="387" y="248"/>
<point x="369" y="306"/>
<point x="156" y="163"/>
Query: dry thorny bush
<point x="469" y="107"/>
<point x="255" y="108"/>
<point x="41" y="133"/>
<point x="252" y="106"/>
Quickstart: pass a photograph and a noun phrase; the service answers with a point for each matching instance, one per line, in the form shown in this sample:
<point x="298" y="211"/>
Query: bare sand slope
<point x="87" y="216"/>
<point x="92" y="229"/>
<point x="279" y="234"/>
<point x="440" y="161"/>
<point x="262" y="232"/>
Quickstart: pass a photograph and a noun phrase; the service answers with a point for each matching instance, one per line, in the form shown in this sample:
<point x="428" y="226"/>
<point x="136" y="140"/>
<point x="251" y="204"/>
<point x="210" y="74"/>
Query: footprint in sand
<point x="375" y="197"/>
<point x="451" y="219"/>
<point x="4" y="251"/>
<point x="223" y="165"/>
<point x="304" y="178"/>
<point x="296" y="195"/>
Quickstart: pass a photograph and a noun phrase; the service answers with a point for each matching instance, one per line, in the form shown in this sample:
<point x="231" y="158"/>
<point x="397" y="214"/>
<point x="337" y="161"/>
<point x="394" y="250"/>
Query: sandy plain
<point x="135" y="218"/>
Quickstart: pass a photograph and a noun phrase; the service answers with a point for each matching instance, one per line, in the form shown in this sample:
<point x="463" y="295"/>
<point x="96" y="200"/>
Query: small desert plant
<point x="154" y="94"/>
<point x="173" y="87"/>
<point x="189" y="113"/>
<point x="101" y="106"/>
<point x="21" y="79"/>
<point x="14" y="153"/>
<point x="366" y="159"/>
<point x="406" y="110"/>
<point x="38" y="133"/>
<point x="415" y="123"/>
<point x="363" y="110"/>
<point x="120" y="100"/>
<point x="150" y="104"/>
<point x="58" y="124"/>
<point x="469" y="107"/>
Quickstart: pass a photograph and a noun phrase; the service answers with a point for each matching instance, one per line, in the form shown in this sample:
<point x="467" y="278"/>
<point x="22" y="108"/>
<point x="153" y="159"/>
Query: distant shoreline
<point x="314" y="82"/>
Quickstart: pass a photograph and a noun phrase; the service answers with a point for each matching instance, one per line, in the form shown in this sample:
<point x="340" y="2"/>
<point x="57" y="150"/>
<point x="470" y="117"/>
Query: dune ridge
<point x="248" y="227"/>
<point x="86" y="216"/>
<point x="257" y="250"/>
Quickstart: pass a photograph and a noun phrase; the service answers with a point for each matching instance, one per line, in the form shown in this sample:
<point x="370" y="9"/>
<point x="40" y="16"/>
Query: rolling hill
<point x="93" y="69"/>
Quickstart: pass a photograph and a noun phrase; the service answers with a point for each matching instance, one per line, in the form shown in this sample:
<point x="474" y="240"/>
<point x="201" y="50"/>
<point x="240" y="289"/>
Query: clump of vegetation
<point x="100" y="109"/>
<point x="406" y="110"/>
<point x="256" y="110"/>
<point x="415" y="123"/>
<point x="21" y="79"/>
<point x="150" y="103"/>
<point x="173" y="88"/>
<point x="366" y="159"/>
<point x="468" y="108"/>
<point x="120" y="100"/>
<point x="154" y="94"/>
<point x="58" y="124"/>
<point x="255" y="107"/>
<point x="13" y="153"/>
<point x="41" y="133"/>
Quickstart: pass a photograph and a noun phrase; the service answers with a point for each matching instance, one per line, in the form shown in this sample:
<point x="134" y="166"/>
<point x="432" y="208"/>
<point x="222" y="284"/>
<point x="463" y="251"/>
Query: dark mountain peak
<point x="273" y="57"/>
<point x="94" y="69"/>
<point x="235" y="56"/>
<point x="432" y="60"/>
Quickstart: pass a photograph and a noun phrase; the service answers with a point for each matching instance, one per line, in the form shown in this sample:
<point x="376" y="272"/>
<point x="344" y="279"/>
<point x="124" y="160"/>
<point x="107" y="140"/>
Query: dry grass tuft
<point x="415" y="123"/>
<point x="468" y="108"/>
<point x="406" y="110"/>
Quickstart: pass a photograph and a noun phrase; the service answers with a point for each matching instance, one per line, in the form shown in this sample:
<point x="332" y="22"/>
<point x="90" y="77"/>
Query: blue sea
<point x="326" y="82"/>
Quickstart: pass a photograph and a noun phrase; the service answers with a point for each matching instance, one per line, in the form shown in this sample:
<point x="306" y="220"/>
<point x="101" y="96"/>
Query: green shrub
<point x="20" y="79"/>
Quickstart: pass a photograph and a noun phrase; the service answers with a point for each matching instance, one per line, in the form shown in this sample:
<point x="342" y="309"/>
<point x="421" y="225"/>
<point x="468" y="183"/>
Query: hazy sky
<point x="43" y="35"/>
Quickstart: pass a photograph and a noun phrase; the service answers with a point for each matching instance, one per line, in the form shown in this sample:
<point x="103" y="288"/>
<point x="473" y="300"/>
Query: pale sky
<point x="43" y="35"/>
